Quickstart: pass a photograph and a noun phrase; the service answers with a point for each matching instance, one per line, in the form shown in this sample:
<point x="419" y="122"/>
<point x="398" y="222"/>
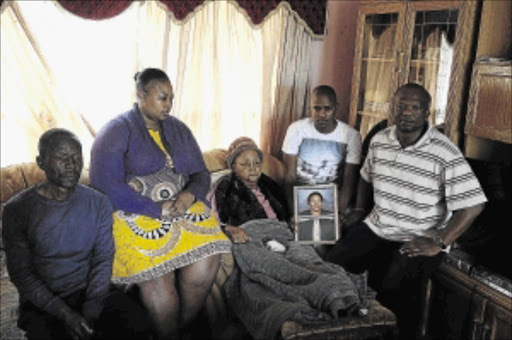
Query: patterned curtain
<point x="311" y="11"/>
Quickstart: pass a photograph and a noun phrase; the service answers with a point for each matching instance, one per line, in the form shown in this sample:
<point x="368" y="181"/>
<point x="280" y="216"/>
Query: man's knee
<point x="407" y="271"/>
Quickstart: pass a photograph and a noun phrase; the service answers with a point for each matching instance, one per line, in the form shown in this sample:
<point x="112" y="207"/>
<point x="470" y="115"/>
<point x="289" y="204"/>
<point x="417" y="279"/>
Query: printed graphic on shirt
<point x="318" y="161"/>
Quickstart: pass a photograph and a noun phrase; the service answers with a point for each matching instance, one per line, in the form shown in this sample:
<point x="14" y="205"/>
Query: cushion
<point x="273" y="168"/>
<point x="17" y="177"/>
<point x="215" y="159"/>
<point x="216" y="175"/>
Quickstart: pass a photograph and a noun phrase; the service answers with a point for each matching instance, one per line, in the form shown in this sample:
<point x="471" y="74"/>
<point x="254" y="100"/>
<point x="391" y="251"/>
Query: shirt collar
<point x="425" y="139"/>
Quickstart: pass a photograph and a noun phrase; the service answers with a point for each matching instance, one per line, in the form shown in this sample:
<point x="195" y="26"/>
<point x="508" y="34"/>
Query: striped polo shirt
<point x="416" y="188"/>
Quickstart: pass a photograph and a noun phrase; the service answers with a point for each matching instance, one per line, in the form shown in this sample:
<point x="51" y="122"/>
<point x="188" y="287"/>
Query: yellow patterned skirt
<point x="147" y="248"/>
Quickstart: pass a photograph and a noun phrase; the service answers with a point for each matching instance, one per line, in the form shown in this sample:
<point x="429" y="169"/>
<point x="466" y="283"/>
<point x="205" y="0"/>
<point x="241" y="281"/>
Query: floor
<point x="9" y="311"/>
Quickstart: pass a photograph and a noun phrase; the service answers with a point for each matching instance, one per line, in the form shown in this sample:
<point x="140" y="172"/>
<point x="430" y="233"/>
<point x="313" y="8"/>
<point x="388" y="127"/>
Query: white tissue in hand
<point x="363" y="311"/>
<point x="276" y="246"/>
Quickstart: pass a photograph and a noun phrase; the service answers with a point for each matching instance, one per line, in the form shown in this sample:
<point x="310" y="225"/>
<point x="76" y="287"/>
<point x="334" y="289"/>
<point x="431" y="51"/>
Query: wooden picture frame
<point x="316" y="214"/>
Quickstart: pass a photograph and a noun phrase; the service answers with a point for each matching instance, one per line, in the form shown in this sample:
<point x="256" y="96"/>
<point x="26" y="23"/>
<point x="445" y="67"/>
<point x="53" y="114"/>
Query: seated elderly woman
<point x="246" y="194"/>
<point x="275" y="279"/>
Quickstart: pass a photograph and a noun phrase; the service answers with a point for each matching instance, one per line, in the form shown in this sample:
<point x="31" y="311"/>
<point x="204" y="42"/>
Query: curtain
<point x="32" y="101"/>
<point x="377" y="72"/>
<point x="261" y="78"/>
<point x="230" y="76"/>
<point x="289" y="97"/>
<point x="217" y="74"/>
<point x="434" y="72"/>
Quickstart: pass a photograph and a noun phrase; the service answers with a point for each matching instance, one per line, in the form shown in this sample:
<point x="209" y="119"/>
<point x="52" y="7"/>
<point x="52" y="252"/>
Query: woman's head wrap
<point x="240" y="145"/>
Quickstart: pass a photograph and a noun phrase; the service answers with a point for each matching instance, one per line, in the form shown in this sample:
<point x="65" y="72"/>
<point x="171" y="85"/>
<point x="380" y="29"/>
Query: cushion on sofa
<point x="216" y="175"/>
<point x="273" y="168"/>
<point x="17" y="177"/>
<point x="215" y="159"/>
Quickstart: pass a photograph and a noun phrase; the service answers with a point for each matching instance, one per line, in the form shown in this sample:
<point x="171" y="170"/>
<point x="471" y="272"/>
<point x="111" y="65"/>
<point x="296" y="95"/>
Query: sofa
<point x="380" y="321"/>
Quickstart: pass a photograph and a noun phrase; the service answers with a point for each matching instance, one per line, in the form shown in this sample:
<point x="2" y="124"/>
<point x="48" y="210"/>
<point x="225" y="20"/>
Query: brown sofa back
<point x="18" y="177"/>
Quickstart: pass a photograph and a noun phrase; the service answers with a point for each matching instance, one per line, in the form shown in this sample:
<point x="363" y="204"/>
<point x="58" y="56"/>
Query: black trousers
<point x="398" y="279"/>
<point x="121" y="318"/>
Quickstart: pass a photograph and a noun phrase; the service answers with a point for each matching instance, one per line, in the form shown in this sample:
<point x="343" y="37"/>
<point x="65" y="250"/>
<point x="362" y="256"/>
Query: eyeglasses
<point x="247" y="165"/>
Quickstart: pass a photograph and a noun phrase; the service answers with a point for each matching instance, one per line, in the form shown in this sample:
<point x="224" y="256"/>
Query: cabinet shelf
<point x="372" y="114"/>
<point x="424" y="62"/>
<point x="384" y="60"/>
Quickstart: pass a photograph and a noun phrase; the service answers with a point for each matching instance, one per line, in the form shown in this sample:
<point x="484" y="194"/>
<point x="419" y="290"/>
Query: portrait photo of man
<point x="316" y="219"/>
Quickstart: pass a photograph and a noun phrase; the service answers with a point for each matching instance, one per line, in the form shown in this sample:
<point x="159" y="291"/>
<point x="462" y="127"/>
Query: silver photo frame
<point x="316" y="214"/>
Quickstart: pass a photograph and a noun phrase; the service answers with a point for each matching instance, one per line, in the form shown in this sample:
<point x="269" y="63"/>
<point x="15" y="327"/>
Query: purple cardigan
<point x="123" y="148"/>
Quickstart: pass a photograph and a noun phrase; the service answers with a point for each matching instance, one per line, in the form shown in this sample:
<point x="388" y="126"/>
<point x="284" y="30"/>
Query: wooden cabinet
<point x="490" y="102"/>
<point x="464" y="307"/>
<point x="428" y="42"/>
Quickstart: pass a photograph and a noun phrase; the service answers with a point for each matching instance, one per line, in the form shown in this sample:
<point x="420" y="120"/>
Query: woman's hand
<point x="178" y="205"/>
<point x="236" y="234"/>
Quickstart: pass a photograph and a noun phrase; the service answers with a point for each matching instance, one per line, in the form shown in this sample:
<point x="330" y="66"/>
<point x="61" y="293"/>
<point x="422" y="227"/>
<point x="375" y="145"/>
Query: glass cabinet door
<point x="376" y="79"/>
<point x="426" y="42"/>
<point x="431" y="56"/>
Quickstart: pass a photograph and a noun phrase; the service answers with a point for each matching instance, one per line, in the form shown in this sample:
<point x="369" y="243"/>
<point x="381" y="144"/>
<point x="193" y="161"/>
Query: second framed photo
<point x="316" y="214"/>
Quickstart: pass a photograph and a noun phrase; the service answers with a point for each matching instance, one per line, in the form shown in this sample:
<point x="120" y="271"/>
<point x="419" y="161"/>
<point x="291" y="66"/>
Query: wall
<point x="332" y="57"/>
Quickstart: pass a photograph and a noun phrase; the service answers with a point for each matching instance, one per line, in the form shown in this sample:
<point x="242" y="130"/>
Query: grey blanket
<point x="268" y="288"/>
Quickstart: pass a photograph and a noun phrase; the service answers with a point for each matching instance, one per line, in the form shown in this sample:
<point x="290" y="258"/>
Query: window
<point x="229" y="76"/>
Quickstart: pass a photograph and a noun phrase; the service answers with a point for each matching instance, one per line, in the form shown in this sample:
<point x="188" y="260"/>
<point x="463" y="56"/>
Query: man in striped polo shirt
<point x="425" y="196"/>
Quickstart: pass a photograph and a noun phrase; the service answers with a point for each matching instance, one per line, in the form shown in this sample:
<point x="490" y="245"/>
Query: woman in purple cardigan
<point x="150" y="166"/>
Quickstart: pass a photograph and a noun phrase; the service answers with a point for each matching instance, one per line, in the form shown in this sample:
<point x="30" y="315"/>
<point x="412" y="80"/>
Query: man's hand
<point x="77" y="325"/>
<point x="178" y="205"/>
<point x="236" y="234"/>
<point x="355" y="216"/>
<point x="420" y="246"/>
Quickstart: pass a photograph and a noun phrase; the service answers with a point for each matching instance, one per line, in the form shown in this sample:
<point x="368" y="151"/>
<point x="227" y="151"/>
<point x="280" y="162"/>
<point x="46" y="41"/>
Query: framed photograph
<point x="316" y="214"/>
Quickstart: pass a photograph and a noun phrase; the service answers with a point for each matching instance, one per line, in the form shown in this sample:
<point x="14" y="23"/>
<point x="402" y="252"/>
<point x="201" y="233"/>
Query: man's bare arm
<point x="460" y="221"/>
<point x="349" y="185"/>
<point x="290" y="175"/>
